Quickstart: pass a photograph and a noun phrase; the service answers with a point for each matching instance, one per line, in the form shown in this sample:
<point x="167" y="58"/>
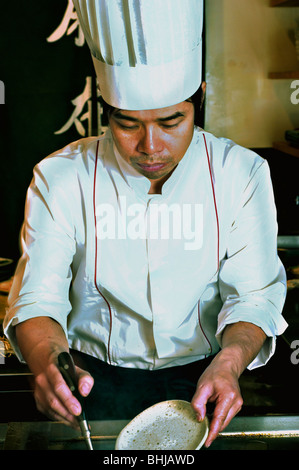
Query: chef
<point x="148" y="252"/>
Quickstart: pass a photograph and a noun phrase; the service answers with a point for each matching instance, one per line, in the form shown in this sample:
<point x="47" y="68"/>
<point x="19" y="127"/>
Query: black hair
<point x="107" y="109"/>
<point x="197" y="99"/>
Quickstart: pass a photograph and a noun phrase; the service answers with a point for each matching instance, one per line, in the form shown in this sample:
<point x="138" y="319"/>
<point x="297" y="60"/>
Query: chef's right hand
<point x="41" y="340"/>
<point x="54" y="398"/>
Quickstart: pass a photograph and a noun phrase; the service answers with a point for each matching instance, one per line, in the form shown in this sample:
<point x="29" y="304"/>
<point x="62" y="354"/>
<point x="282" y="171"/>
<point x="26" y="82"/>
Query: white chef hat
<point x="147" y="53"/>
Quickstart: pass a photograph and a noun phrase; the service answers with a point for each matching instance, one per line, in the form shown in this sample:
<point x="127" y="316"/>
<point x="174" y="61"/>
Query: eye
<point x="124" y="126"/>
<point x="172" y="123"/>
<point x="170" y="126"/>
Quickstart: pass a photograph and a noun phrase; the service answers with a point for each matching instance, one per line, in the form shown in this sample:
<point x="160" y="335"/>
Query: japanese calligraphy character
<point x="66" y="28"/>
<point x="79" y="103"/>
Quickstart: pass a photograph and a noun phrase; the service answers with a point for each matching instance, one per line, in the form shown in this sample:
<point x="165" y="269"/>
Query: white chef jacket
<point x="144" y="298"/>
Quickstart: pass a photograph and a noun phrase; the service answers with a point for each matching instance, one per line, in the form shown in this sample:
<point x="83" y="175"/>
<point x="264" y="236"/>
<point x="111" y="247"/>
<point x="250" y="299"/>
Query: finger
<point x="214" y="429"/>
<point x="85" y="382"/>
<point x="200" y="400"/>
<point x="58" y="412"/>
<point x="223" y="414"/>
<point x="232" y="413"/>
<point x="50" y="405"/>
<point x="62" y="391"/>
<point x="219" y="417"/>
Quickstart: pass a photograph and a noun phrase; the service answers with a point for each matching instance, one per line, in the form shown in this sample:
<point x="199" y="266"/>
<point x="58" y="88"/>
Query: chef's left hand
<point x="220" y="385"/>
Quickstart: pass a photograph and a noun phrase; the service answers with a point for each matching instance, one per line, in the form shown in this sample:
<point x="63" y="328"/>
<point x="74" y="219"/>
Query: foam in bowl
<point x="169" y="425"/>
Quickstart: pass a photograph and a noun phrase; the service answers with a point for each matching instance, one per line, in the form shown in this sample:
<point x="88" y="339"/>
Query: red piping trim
<point x="215" y="204"/>
<point x="96" y="249"/>
<point x="217" y="222"/>
<point x="96" y="243"/>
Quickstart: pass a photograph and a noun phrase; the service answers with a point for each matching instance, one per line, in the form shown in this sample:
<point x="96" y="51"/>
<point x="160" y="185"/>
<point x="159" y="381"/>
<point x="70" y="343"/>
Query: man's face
<point x="153" y="141"/>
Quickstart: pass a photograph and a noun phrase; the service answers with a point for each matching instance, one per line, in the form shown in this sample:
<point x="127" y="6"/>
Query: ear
<point x="203" y="89"/>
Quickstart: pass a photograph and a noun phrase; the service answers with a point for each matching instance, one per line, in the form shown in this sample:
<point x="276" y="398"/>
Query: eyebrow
<point x="125" y="117"/>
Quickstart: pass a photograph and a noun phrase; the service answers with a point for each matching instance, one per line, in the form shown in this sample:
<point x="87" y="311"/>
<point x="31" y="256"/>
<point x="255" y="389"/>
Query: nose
<point x="150" y="141"/>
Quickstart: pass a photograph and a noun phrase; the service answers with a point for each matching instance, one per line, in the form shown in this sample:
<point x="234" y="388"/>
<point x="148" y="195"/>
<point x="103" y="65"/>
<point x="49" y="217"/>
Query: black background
<point x="41" y="79"/>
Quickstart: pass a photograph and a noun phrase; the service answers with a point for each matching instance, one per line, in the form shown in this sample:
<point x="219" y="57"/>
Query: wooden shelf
<point x="286" y="148"/>
<point x="284" y="3"/>
<point x="290" y="74"/>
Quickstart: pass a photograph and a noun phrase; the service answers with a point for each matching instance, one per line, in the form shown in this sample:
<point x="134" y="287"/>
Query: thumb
<point x="200" y="400"/>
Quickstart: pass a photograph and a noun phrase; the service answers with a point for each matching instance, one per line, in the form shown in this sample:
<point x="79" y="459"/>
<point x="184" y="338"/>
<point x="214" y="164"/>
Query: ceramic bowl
<point x="168" y="425"/>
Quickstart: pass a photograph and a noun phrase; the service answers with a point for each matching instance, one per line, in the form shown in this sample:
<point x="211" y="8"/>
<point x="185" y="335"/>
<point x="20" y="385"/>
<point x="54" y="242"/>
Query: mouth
<point x="152" y="167"/>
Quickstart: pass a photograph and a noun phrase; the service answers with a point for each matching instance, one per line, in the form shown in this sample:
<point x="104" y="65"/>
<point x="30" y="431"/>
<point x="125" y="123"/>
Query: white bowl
<point x="169" y="425"/>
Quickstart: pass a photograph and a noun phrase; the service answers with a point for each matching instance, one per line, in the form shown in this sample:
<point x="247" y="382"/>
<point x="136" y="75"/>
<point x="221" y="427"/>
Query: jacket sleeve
<point x="43" y="274"/>
<point x="252" y="279"/>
